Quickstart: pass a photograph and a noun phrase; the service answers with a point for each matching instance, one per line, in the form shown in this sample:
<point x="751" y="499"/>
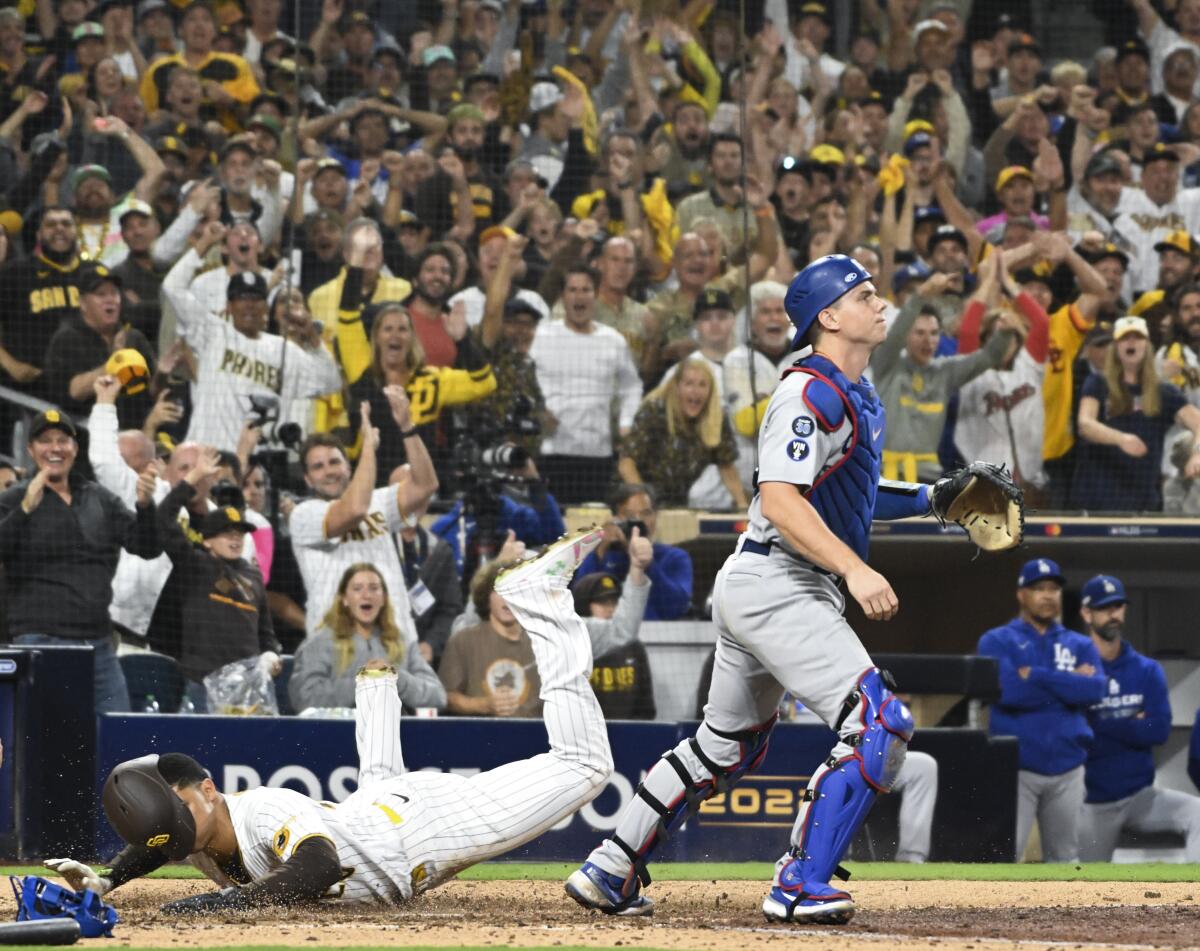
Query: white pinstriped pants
<point x="455" y="821"/>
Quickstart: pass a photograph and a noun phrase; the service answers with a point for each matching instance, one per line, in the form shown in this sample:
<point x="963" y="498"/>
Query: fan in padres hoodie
<point x="1049" y="676"/>
<point x="39" y="293"/>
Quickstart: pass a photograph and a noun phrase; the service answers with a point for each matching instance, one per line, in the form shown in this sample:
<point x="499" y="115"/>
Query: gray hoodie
<point x="915" y="397"/>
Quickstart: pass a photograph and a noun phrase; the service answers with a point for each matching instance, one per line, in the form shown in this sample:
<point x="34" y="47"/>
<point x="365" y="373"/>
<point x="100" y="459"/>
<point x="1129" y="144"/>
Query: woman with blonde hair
<point x="398" y="359"/>
<point x="1124" y="416"/>
<point x="359" y="627"/>
<point x="680" y="429"/>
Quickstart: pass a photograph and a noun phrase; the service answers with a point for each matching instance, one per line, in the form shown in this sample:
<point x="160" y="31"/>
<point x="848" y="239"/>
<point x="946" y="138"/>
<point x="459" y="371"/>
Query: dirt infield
<point x="698" y="916"/>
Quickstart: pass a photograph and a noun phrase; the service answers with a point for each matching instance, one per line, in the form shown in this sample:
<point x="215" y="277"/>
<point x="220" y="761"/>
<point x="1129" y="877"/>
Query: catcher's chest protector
<point x="844" y="495"/>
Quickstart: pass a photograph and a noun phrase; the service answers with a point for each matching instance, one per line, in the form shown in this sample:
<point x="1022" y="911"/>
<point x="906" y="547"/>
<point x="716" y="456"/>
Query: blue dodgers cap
<point x="916" y="271"/>
<point x="918" y="140"/>
<point x="1102" y="591"/>
<point x="1040" y="569"/>
<point x="818" y="286"/>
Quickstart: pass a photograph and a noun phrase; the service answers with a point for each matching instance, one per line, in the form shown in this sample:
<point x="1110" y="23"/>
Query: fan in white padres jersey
<point x="399" y="834"/>
<point x="349" y="520"/>
<point x="237" y="359"/>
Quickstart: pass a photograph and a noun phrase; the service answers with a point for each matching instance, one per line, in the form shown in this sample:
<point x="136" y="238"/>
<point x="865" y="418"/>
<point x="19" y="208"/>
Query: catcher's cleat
<point x="791" y="900"/>
<point x="594" y="888"/>
<point x="367" y="673"/>
<point x="556" y="564"/>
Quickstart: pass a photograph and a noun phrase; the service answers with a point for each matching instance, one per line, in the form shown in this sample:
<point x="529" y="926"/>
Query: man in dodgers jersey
<point x="777" y="605"/>
<point x="237" y="359"/>
<point x="351" y="521"/>
<point x="399" y="834"/>
<point x="1132" y="718"/>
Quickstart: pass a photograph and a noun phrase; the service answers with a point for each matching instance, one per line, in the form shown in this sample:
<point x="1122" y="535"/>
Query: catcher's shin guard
<point x="875" y="730"/>
<point x="674" y="788"/>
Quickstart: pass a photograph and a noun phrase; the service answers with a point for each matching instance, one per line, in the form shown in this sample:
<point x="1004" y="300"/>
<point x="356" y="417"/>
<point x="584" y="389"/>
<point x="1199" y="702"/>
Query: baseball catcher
<point x="985" y="501"/>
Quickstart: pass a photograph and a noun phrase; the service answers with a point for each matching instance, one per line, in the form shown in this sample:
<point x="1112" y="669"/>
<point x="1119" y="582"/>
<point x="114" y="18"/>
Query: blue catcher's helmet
<point x="817" y="287"/>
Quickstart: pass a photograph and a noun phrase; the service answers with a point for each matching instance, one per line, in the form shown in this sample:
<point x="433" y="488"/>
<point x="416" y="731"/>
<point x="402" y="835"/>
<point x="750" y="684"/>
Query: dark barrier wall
<point x="317" y="757"/>
<point x="47" y="799"/>
<point x="948" y="598"/>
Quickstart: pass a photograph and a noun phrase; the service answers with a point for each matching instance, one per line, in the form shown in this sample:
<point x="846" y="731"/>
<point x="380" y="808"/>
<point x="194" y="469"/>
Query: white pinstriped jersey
<point x="322" y="560"/>
<point x="270" y="824"/>
<point x="234" y="367"/>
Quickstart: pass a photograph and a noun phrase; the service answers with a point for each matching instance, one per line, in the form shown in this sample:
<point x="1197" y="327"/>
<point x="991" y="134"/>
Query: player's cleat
<point x="368" y="673"/>
<point x="594" y="888"/>
<point x="557" y="563"/>
<point x="806" y="902"/>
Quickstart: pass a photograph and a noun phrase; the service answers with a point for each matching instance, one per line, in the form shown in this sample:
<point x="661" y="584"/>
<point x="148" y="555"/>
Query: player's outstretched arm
<point x="311" y="871"/>
<point x="806" y="532"/>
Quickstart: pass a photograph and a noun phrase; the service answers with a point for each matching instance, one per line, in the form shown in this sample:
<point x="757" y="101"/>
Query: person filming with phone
<point x="669" y="571"/>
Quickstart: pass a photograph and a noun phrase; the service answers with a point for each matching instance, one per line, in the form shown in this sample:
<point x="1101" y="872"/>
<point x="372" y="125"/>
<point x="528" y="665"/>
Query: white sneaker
<point x="556" y="564"/>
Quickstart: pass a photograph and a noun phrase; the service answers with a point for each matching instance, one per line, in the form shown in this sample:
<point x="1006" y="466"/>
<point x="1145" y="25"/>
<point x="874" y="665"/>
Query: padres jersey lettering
<point x="235" y="367"/>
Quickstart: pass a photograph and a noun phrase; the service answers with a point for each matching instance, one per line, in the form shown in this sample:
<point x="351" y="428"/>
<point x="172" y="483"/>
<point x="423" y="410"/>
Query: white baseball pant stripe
<point x="455" y="821"/>
<point x="1148" y="810"/>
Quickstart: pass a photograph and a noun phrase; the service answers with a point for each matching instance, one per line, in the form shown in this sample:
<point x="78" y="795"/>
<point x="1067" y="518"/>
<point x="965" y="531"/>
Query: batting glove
<point x="79" y="876"/>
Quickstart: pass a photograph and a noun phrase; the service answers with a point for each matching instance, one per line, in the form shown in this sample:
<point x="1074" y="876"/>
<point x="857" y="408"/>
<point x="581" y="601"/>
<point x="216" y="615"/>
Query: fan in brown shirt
<point x="489" y="669"/>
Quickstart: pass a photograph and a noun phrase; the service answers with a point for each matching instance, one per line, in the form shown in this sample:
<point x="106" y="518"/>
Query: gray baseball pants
<point x="1147" y="810"/>
<point x="1055" y="801"/>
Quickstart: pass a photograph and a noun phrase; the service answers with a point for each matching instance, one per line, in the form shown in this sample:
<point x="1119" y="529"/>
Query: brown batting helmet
<point x="145" y="810"/>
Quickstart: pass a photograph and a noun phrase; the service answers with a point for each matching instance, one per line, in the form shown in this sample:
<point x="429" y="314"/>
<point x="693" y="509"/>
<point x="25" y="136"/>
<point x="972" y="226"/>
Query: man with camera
<point x="670" y="570"/>
<point x="237" y="359"/>
<point x="513" y="499"/>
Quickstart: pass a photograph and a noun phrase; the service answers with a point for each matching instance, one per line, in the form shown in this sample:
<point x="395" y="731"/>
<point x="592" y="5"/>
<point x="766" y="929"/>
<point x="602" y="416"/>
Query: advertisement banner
<point x="749" y="823"/>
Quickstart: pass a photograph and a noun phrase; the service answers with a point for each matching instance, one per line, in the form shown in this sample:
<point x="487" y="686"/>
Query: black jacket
<point x="59" y="560"/>
<point x="223" y="611"/>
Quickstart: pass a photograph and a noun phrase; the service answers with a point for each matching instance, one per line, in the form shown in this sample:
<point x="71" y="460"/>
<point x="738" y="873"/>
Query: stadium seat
<point x="152" y="679"/>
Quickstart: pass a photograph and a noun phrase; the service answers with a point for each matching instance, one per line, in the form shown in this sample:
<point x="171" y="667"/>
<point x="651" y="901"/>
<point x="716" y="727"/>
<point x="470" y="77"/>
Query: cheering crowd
<point x="482" y="259"/>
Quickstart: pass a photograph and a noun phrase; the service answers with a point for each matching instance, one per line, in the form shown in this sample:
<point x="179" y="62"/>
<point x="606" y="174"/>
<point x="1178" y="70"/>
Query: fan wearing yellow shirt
<point x="226" y="79"/>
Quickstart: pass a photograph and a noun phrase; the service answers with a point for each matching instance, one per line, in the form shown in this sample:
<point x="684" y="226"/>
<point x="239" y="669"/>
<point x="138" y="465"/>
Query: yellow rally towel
<point x="891" y="176"/>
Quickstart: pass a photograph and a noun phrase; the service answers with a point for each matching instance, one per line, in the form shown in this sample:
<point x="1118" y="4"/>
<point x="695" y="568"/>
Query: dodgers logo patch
<point x="803" y="426"/>
<point x="797" y="450"/>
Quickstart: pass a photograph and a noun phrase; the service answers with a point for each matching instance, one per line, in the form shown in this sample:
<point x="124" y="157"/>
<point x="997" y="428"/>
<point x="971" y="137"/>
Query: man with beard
<point x="96" y="207"/>
<point x="378" y="285"/>
<point x="685" y="142"/>
<point x="1132" y="719"/>
<point x="349" y="521"/>
<point x="1049" y="677"/>
<point x="724" y="202"/>
<point x="437" y="202"/>
<point x="428" y="308"/>
<point x="1177" y="254"/>
<point x="40" y="293"/>
<point x="140" y="278"/>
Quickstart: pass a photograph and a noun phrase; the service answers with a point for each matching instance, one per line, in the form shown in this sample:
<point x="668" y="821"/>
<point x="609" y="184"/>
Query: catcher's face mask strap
<point x="144" y="810"/>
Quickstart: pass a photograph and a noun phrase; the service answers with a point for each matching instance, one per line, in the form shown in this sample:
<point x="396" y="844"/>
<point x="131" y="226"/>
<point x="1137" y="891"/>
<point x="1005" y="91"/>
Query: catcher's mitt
<point x="985" y="501"/>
